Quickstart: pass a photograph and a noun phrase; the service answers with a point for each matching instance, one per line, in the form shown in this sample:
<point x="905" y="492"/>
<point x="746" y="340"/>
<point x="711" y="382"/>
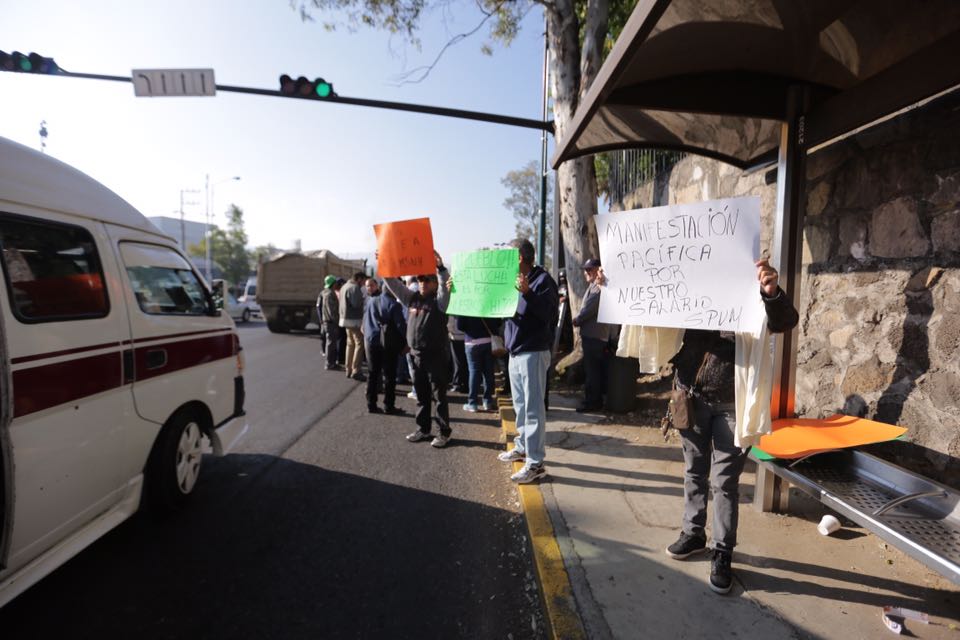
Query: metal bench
<point x="913" y="513"/>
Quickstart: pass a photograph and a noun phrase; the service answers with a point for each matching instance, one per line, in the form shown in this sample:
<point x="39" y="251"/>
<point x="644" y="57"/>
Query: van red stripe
<point x="65" y="352"/>
<point x="184" y="354"/>
<point x="47" y="386"/>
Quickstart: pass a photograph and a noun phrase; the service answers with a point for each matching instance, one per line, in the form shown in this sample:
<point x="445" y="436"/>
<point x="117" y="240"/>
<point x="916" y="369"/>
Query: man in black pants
<point x="384" y="331"/>
<point x="430" y="348"/>
<point x="704" y="367"/>
<point x="328" y="306"/>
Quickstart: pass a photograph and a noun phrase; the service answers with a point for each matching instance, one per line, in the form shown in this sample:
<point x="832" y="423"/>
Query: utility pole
<point x="542" y="227"/>
<point x="183" y="226"/>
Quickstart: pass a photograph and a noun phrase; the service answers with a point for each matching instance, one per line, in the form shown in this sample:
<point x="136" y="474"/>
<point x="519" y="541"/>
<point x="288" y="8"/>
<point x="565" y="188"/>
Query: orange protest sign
<point x="405" y="248"/>
<point x="797" y="437"/>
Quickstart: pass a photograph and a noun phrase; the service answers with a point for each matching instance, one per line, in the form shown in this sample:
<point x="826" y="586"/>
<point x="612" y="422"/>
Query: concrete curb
<point x="560" y="605"/>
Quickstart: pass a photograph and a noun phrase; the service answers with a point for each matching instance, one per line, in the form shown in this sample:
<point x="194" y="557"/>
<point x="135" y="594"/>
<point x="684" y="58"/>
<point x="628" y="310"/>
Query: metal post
<point x="544" y="167"/>
<point x="771" y="492"/>
<point x="183" y="229"/>
<point x="208" y="236"/>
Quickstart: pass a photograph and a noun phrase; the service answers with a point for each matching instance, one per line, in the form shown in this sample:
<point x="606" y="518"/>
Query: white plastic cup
<point x="828" y="524"/>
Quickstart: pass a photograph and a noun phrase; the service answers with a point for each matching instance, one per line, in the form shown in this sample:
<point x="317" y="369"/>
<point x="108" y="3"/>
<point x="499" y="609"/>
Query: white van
<point x="248" y="298"/>
<point x="116" y="370"/>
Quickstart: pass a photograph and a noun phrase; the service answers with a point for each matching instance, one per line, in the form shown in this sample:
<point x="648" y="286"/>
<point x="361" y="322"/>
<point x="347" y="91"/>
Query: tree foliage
<point x="579" y="34"/>
<point x="523" y="201"/>
<point x="228" y="248"/>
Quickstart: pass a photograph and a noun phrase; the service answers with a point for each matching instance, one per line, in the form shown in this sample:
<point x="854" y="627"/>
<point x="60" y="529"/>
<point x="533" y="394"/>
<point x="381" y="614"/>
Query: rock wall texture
<point x="880" y="293"/>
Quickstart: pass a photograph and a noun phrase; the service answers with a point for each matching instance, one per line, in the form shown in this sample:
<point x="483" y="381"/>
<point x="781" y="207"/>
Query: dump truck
<point x="288" y="286"/>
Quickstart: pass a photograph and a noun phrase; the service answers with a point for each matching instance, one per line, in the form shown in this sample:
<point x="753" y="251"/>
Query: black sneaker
<point x="374" y="409"/>
<point x="686" y="545"/>
<point x="721" y="575"/>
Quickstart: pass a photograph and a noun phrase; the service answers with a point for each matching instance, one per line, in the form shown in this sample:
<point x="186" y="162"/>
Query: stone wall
<point x="880" y="293"/>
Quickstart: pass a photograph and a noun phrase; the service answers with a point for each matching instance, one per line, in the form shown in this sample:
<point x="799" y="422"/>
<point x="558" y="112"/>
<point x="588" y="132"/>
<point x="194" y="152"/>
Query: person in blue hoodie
<point x="529" y="339"/>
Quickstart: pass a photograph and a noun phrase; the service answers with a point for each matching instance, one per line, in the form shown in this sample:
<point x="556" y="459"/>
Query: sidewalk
<point x="614" y="496"/>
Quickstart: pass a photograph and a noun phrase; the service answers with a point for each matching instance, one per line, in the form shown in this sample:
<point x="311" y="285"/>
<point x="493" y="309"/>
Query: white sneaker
<point x="440" y="441"/>
<point x="417" y="436"/>
<point x="529" y="474"/>
<point x="489" y="406"/>
<point x="470" y="407"/>
<point x="514" y="455"/>
<point x="412" y="395"/>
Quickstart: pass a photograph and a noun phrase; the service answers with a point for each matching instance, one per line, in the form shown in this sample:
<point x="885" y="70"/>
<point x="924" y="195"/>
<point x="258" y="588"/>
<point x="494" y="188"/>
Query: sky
<point x="322" y="174"/>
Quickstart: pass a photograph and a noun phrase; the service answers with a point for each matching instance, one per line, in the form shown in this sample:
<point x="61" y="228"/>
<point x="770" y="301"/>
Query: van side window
<point x="163" y="281"/>
<point x="52" y="270"/>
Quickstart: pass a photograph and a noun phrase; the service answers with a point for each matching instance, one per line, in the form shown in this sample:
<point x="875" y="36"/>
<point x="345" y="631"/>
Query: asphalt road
<point x="325" y="523"/>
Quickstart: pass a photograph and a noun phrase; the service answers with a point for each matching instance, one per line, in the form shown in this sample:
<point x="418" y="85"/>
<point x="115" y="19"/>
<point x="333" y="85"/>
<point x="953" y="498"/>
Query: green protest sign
<point x="484" y="283"/>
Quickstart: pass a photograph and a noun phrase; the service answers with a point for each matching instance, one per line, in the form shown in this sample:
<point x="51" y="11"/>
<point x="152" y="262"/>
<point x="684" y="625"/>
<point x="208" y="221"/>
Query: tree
<point x="579" y="34"/>
<point x="228" y="248"/>
<point x="524" y="202"/>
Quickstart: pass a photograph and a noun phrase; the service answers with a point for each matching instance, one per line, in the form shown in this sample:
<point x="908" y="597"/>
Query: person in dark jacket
<point x="430" y="348"/>
<point x="478" y="335"/>
<point x="329" y="310"/>
<point x="705" y="366"/>
<point x="384" y="336"/>
<point x="595" y="339"/>
<point x="529" y="339"/>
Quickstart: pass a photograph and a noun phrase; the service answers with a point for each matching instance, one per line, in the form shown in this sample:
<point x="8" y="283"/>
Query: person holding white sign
<point x="704" y="368"/>
<point x="595" y="339"/>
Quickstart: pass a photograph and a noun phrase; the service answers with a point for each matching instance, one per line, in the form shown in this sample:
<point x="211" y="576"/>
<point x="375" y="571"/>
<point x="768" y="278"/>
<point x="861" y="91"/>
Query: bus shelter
<point x="761" y="82"/>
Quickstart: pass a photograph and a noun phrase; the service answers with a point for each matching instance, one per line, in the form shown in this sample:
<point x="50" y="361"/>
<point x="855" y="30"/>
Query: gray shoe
<point x="417" y="436"/>
<point x="514" y="455"/>
<point x="528" y="474"/>
<point x="440" y="441"/>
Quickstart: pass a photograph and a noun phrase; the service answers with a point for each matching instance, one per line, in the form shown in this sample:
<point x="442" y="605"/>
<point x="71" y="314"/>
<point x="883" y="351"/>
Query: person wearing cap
<point x="430" y="348"/>
<point x="595" y="339"/>
<point x="529" y="339"/>
<point x="328" y="308"/>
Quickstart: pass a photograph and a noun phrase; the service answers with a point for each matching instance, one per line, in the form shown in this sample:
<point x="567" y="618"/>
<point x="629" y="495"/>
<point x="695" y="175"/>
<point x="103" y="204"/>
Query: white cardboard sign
<point x="688" y="265"/>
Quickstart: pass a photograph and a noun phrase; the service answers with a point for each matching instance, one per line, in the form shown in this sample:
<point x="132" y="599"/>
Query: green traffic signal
<point x="303" y="88"/>
<point x="22" y="63"/>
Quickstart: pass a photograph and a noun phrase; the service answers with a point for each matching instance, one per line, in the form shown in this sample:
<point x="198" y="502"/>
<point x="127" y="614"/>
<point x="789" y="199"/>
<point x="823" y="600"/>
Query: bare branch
<point x="419" y="74"/>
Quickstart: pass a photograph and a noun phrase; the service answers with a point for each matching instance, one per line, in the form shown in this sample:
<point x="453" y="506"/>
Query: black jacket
<point x="715" y="351"/>
<point x="533" y="325"/>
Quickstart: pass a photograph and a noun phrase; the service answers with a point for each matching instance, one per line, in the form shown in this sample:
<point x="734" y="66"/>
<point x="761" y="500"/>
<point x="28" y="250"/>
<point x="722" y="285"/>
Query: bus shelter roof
<point x="712" y="76"/>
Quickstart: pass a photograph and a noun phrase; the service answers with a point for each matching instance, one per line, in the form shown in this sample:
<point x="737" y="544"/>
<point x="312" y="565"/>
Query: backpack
<point x="390" y="337"/>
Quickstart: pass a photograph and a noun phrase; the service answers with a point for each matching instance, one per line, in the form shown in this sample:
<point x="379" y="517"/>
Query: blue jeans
<point x="528" y="385"/>
<point x="480" y="365"/>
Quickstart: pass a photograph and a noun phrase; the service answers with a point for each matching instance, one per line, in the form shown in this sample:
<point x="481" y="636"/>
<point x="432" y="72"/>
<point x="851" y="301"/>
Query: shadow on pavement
<point x="272" y="548"/>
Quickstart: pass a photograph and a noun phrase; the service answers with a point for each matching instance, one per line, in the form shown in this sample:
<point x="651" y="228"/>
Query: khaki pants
<point x="354" y="350"/>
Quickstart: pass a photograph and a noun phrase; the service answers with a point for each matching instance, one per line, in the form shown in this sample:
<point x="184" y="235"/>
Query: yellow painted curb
<point x="558" y="598"/>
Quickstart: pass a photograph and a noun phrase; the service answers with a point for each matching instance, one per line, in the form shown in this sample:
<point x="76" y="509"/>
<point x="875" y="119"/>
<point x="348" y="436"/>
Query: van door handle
<point x="156" y="358"/>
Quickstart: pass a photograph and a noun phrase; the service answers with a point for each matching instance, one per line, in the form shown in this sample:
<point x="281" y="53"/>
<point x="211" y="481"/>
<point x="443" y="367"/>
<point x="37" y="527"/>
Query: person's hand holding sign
<point x="768" y="277"/>
<point x="439" y="259"/>
<point x="523" y="285"/>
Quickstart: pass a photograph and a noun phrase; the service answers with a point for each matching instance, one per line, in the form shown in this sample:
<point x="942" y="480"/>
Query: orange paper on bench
<point x="798" y="437"/>
<point x="405" y="248"/>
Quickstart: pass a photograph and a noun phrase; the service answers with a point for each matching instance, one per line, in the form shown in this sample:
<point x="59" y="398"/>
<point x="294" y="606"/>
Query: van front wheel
<point x="174" y="464"/>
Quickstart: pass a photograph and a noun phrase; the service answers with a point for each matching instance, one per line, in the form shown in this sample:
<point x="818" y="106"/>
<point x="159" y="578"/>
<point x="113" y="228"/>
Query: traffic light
<point x="33" y="63"/>
<point x="317" y="89"/>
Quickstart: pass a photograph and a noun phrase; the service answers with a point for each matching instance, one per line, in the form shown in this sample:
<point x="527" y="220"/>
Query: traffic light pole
<point x="527" y="123"/>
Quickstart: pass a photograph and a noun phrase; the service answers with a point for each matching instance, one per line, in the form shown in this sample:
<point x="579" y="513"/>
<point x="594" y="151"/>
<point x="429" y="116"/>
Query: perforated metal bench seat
<point x="915" y="514"/>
